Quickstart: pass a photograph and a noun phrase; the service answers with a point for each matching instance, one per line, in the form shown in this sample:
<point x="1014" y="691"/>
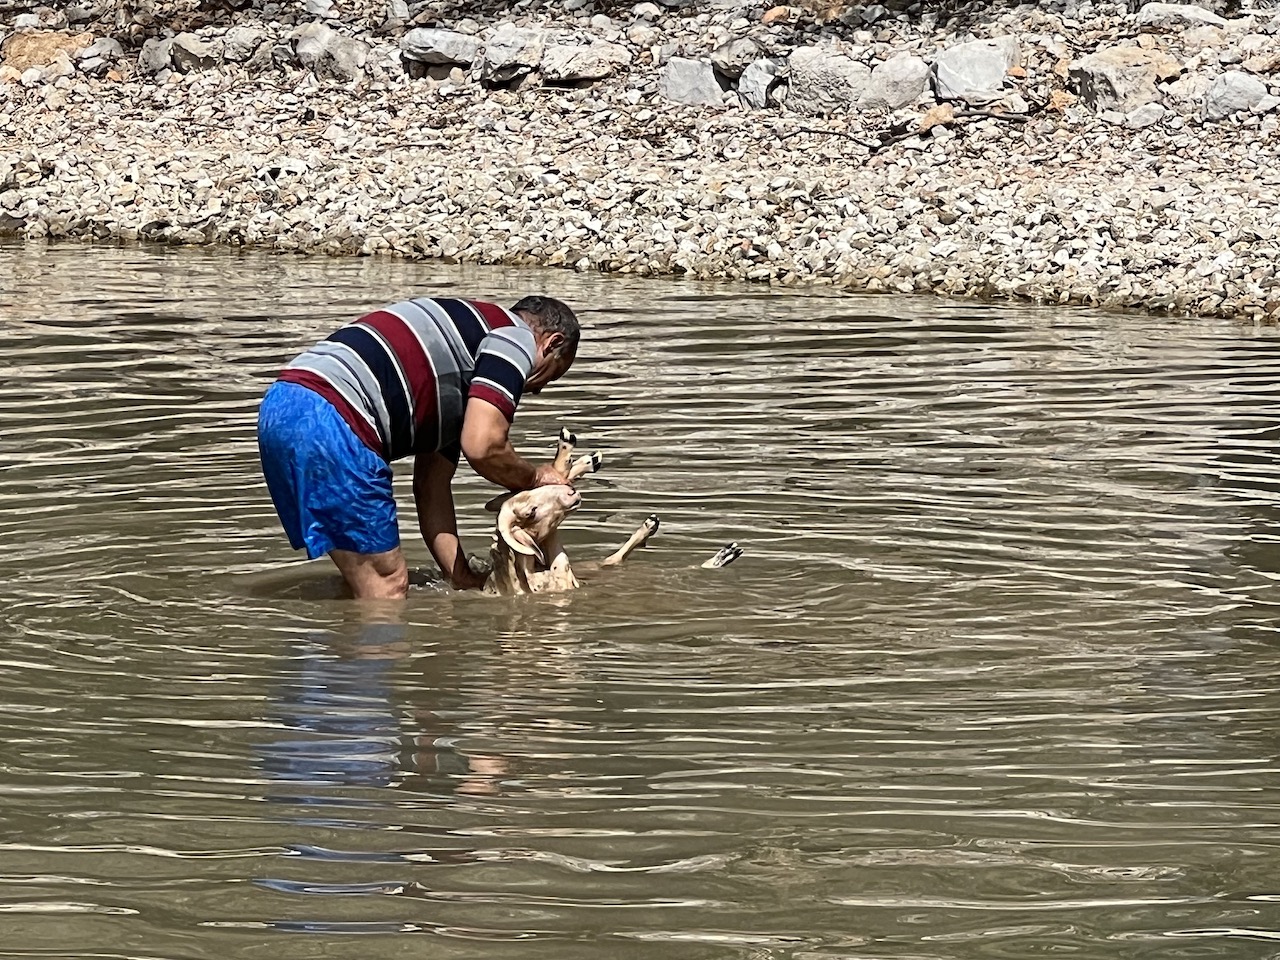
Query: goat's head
<point x="526" y="520"/>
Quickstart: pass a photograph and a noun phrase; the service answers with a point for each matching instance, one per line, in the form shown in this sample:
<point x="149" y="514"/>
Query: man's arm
<point x="433" y="496"/>
<point x="486" y="443"/>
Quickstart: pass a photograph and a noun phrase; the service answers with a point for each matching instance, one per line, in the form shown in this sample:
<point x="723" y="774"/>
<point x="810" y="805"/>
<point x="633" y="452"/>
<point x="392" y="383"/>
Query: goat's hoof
<point x="596" y="460"/>
<point x="652" y="523"/>
<point x="724" y="556"/>
<point x="567" y="437"/>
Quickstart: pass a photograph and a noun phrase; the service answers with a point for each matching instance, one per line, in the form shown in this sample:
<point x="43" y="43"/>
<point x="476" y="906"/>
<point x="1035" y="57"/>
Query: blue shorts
<point x="330" y="490"/>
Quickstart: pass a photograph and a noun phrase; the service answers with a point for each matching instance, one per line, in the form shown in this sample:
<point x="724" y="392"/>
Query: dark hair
<point x="549" y="315"/>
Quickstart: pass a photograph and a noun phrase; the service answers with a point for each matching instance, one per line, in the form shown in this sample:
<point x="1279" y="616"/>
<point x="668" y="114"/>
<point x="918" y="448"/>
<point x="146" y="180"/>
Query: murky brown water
<point x="997" y="676"/>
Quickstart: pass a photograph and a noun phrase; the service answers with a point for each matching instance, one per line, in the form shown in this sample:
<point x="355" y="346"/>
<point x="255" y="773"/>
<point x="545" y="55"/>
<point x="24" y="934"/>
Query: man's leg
<point x="374" y="576"/>
<point x="333" y="494"/>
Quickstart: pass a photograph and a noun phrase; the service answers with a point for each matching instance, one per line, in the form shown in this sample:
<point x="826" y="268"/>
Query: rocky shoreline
<point x="1066" y="153"/>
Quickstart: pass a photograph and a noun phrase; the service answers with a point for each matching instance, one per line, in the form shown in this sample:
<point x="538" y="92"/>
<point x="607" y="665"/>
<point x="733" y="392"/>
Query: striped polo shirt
<point x="401" y="376"/>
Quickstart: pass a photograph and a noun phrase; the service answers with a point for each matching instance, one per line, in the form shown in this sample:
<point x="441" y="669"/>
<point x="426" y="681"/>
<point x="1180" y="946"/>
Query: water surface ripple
<point x="996" y="678"/>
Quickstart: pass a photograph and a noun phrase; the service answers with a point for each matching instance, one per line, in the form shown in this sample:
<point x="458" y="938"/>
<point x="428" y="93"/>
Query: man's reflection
<point x="345" y="727"/>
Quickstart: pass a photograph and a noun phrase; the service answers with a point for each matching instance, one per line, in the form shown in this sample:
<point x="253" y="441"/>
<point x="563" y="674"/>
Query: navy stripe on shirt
<point x="384" y="369"/>
<point x="463" y="315"/>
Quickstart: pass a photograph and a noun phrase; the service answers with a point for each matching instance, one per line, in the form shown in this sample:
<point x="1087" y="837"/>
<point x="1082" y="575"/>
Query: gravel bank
<point x="1089" y="155"/>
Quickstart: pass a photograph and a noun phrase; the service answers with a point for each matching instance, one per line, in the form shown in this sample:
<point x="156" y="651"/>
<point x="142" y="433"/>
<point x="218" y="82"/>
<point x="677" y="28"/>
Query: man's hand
<point x="547" y="475"/>
<point x="465" y="578"/>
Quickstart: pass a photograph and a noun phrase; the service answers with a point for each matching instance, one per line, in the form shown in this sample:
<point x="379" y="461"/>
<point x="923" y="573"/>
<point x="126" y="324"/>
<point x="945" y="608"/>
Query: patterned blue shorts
<point x="330" y="490"/>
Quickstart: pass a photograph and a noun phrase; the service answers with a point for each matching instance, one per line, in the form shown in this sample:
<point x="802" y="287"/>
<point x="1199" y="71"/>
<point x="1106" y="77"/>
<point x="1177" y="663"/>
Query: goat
<point x="527" y="555"/>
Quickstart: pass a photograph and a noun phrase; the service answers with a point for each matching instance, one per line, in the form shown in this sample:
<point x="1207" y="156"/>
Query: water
<point x="996" y="677"/>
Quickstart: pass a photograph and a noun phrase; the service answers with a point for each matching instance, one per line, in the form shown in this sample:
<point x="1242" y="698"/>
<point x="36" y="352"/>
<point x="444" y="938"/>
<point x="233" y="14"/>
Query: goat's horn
<point x="494" y="505"/>
<point x="515" y="537"/>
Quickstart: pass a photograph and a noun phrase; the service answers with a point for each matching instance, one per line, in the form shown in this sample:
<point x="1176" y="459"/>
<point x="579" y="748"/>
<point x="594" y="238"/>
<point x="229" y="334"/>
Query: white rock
<point x="1120" y="78"/>
<point x="1144" y="116"/>
<point x="1233" y="92"/>
<point x="974" y="71"/>
<point x="1177" y="16"/>
<point x="825" y="79"/>
<point x="896" y="83"/>
<point x="691" y="82"/>
<point x="428" y="45"/>
<point x="567" y="64"/>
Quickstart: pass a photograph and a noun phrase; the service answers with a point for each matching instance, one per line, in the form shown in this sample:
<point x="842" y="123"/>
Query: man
<point x="434" y="378"/>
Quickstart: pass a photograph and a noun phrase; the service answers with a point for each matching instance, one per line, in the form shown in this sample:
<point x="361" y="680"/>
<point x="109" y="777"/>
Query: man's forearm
<point x="505" y="467"/>
<point x="451" y="558"/>
<point x="437" y="518"/>
<point x="487" y="446"/>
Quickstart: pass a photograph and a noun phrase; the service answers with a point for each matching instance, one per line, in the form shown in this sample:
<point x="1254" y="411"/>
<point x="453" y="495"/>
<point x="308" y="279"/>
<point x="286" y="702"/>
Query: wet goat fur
<point x="528" y="556"/>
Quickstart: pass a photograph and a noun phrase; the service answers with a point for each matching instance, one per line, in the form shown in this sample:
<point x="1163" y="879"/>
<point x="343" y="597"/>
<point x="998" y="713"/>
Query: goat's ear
<point x="519" y="540"/>
<point x="494" y="505"/>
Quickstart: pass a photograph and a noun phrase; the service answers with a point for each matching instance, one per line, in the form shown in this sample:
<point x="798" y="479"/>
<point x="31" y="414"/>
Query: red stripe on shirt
<point x="361" y="427"/>
<point x="494" y="316"/>
<point x="413" y="363"/>
<point x="484" y="392"/>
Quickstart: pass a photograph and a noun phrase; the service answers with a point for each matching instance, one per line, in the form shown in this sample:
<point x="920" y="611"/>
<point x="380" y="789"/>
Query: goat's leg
<point x="724" y="556"/>
<point x="564" y="450"/>
<point x="584" y="465"/>
<point x="634" y="542"/>
<point x="564" y="462"/>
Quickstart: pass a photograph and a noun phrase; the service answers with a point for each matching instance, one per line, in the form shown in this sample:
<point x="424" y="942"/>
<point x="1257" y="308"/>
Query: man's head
<point x="556" y="332"/>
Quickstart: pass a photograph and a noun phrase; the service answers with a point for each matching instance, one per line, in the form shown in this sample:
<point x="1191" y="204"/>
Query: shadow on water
<point x="996" y="677"/>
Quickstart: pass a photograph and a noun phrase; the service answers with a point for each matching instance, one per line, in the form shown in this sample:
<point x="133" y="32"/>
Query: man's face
<point x="553" y="362"/>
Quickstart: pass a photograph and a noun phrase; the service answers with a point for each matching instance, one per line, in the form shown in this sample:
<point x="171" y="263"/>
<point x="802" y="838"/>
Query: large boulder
<point x="328" y="53"/>
<point x="511" y="53"/>
<point x="241" y="43"/>
<point x="190" y="54"/>
<point x="896" y="83"/>
<point x="1177" y="16"/>
<point x="1121" y="78"/>
<point x="1233" y="92"/>
<point x="40" y="48"/>
<point x="734" y="56"/>
<point x="825" y="79"/>
<point x="974" y="72"/>
<point x="440" y="47"/>
<point x="691" y="82"/>
<point x="578" y="63"/>
<point x="759" y="79"/>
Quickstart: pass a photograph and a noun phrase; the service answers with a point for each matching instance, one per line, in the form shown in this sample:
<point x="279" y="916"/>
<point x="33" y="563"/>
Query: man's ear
<point x="554" y="344"/>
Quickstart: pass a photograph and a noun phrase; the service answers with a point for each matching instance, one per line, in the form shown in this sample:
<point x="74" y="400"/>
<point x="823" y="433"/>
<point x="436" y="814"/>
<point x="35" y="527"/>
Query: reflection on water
<point x="345" y="728"/>
<point x="996" y="677"/>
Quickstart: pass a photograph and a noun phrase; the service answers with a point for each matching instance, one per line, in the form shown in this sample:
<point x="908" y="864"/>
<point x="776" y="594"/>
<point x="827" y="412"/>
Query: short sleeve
<point x="503" y="363"/>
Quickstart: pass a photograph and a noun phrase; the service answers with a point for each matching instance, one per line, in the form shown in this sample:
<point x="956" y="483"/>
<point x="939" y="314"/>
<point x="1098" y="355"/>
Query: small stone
<point x="1144" y="116"/>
